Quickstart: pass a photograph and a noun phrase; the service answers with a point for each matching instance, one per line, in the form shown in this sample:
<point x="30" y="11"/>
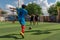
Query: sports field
<point x="42" y="31"/>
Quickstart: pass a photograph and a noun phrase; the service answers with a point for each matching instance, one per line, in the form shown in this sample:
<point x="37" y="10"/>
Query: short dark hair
<point x="23" y="6"/>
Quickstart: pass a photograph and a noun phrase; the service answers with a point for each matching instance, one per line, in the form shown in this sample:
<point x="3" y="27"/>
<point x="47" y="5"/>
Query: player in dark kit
<point x="36" y="18"/>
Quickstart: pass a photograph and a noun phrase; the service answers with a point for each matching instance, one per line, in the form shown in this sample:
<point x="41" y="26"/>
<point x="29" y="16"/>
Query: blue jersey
<point x="21" y="15"/>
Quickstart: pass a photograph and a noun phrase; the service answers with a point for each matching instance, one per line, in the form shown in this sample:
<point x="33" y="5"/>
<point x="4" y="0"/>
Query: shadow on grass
<point x="38" y="32"/>
<point x="11" y="36"/>
<point x="53" y="30"/>
<point x="42" y="32"/>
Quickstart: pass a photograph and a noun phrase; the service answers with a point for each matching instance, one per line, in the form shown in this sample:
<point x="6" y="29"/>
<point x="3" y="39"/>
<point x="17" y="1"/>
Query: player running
<point x="22" y="12"/>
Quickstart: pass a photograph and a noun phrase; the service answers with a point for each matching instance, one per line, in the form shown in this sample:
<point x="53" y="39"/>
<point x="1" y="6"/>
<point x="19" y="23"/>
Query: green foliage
<point x="58" y="4"/>
<point x="42" y="31"/>
<point x="3" y="12"/>
<point x="52" y="10"/>
<point x="33" y="9"/>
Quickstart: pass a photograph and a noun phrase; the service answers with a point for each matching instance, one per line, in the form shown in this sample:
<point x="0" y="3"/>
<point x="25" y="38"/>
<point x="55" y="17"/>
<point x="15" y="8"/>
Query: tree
<point x="3" y="12"/>
<point x="52" y="10"/>
<point x="58" y="7"/>
<point x="58" y="4"/>
<point x="33" y="9"/>
<point x="53" y="13"/>
<point x="58" y="10"/>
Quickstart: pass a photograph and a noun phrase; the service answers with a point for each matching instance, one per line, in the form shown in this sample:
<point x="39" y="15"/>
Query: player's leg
<point x="34" y="22"/>
<point x="22" y="31"/>
<point x="22" y="22"/>
<point x="30" y="24"/>
<point x="23" y="28"/>
<point x="37" y="21"/>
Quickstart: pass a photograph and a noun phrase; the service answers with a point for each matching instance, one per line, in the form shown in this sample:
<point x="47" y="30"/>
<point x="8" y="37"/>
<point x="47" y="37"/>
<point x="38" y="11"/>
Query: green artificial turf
<point x="42" y="31"/>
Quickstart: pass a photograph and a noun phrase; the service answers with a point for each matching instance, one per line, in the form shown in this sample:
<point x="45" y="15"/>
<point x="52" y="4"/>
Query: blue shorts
<point x="22" y="22"/>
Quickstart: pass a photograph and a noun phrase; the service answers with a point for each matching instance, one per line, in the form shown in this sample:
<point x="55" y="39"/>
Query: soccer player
<point x="36" y="18"/>
<point x="32" y="21"/>
<point x="21" y="18"/>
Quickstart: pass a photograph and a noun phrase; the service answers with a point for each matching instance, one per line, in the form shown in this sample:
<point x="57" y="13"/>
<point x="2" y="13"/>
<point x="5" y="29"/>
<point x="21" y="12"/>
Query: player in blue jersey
<point x="22" y="12"/>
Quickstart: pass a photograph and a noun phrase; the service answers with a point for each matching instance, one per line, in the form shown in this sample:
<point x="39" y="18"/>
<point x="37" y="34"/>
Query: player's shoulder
<point x="25" y="10"/>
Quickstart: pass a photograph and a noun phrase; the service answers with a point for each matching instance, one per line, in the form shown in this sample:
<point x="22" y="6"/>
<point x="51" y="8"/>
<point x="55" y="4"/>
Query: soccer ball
<point x="30" y="28"/>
